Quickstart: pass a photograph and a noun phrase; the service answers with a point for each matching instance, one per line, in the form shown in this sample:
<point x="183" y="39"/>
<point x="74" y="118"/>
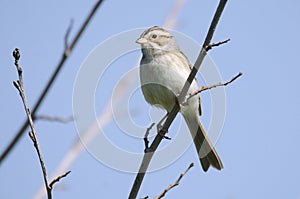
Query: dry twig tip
<point x="32" y="133"/>
<point x="58" y="178"/>
<point x="176" y="183"/>
<point x="204" y="88"/>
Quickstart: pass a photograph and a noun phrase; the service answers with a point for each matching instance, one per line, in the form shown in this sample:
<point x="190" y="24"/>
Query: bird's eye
<point x="154" y="36"/>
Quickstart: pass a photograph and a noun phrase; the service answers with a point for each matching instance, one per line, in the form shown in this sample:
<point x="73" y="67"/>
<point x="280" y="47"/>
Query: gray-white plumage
<point x="163" y="72"/>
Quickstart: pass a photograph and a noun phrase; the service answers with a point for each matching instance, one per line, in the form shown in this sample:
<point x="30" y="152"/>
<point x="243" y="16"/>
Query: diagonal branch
<point x="176" y="183"/>
<point x="148" y="156"/>
<point x="55" y="180"/>
<point x="203" y="88"/>
<point x="210" y="46"/>
<point x="41" y="98"/>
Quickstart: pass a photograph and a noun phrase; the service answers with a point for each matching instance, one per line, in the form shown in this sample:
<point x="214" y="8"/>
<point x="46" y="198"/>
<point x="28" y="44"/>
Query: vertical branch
<point x="148" y="156"/>
<point x="20" y="86"/>
<point x="65" y="55"/>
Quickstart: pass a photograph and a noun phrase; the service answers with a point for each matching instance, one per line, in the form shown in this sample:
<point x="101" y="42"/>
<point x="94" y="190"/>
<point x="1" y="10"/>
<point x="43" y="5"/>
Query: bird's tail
<point x="206" y="151"/>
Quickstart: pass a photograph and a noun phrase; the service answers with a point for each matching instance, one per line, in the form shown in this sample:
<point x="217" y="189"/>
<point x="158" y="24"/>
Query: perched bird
<point x="163" y="72"/>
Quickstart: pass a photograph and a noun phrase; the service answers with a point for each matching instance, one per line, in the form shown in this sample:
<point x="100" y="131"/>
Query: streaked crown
<point x="157" y="39"/>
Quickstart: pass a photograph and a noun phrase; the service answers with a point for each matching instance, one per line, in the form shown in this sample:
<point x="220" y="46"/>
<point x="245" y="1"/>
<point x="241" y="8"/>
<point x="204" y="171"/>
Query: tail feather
<point x="204" y="163"/>
<point x="206" y="151"/>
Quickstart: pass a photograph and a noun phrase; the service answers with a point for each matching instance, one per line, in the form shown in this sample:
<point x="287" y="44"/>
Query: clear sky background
<point x="259" y="144"/>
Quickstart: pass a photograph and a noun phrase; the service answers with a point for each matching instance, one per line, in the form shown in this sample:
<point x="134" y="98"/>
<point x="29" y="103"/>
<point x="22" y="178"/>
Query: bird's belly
<point x="161" y="85"/>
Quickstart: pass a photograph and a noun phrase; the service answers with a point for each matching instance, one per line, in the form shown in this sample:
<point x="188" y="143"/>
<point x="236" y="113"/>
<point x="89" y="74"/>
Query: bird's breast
<point x="162" y="82"/>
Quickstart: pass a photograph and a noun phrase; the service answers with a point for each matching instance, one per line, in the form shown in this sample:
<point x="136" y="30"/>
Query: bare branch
<point x="62" y="61"/>
<point x="210" y="46"/>
<point x="203" y="88"/>
<point x="175" y="183"/>
<point x="148" y="156"/>
<point x="32" y="134"/>
<point x="58" y="178"/>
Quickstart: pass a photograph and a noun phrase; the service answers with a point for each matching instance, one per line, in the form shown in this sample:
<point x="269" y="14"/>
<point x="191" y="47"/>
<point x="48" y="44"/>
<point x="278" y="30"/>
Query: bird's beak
<point x="141" y="41"/>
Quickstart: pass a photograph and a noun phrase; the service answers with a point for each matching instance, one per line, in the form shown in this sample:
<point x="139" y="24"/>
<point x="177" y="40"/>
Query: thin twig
<point x="54" y="118"/>
<point x="203" y="88"/>
<point x="148" y="156"/>
<point x="67" y="35"/>
<point x="32" y="134"/>
<point x="62" y="61"/>
<point x="176" y="183"/>
<point x="210" y="46"/>
<point x="19" y="84"/>
<point x="55" y="180"/>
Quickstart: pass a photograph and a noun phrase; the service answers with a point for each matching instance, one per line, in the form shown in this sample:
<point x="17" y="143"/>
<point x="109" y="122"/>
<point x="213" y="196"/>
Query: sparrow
<point x="164" y="70"/>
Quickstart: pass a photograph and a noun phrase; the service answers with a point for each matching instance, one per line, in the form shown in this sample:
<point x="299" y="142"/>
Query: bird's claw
<point x="162" y="132"/>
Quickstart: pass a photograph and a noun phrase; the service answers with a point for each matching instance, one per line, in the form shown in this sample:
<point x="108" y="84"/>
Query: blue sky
<point x="259" y="144"/>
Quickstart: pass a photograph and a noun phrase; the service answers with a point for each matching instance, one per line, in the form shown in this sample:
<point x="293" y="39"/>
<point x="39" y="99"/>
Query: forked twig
<point x="67" y="35"/>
